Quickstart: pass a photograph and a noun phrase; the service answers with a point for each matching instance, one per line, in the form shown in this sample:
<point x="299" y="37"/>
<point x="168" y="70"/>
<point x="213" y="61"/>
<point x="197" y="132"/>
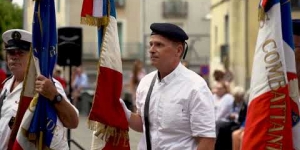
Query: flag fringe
<point x="105" y="132"/>
<point x="94" y="21"/>
<point x="30" y="136"/>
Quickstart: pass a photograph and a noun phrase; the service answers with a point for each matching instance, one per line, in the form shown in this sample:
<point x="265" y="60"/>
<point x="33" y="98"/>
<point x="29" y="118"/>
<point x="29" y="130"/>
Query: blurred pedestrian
<point x="218" y="75"/>
<point x="79" y="84"/>
<point x="221" y="76"/>
<point x="236" y="117"/>
<point x="174" y="104"/>
<point x="238" y="104"/>
<point x="138" y="72"/>
<point x="57" y="74"/>
<point x="223" y="101"/>
<point x="237" y="138"/>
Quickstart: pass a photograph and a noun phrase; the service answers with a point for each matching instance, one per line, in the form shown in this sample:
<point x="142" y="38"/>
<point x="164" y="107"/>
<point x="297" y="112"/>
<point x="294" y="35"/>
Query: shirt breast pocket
<point x="173" y="116"/>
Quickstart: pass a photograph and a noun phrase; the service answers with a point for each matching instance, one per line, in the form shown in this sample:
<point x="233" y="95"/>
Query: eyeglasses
<point x="16" y="52"/>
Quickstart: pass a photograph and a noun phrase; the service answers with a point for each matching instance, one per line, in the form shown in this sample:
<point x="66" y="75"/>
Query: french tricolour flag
<point x="107" y="117"/>
<point x="273" y="114"/>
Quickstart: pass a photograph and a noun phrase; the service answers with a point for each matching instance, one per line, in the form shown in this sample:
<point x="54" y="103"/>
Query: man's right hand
<point x="126" y="110"/>
<point x="134" y="119"/>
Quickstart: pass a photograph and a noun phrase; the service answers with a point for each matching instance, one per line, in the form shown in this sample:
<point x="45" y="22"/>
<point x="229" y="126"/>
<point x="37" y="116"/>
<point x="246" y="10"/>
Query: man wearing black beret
<point x="174" y="104"/>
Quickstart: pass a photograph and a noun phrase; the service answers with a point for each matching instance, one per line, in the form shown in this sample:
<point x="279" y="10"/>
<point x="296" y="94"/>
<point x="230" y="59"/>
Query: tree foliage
<point x="11" y="17"/>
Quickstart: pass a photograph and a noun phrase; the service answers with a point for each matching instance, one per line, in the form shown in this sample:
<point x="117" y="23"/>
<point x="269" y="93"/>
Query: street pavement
<point x="83" y="136"/>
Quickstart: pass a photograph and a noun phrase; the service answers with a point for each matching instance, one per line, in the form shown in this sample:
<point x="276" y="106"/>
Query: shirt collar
<point x="173" y="74"/>
<point x="10" y="84"/>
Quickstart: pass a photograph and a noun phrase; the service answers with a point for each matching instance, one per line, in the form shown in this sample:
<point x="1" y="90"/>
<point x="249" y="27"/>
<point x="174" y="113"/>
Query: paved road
<point x="83" y="136"/>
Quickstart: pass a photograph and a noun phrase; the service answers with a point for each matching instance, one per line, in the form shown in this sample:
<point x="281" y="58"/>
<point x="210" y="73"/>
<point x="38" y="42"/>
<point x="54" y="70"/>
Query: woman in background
<point x="138" y="72"/>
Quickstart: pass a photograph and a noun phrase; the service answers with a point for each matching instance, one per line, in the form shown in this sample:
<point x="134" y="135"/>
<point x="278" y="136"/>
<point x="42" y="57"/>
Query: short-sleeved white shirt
<point x="9" y="110"/>
<point x="223" y="106"/>
<point x="181" y="108"/>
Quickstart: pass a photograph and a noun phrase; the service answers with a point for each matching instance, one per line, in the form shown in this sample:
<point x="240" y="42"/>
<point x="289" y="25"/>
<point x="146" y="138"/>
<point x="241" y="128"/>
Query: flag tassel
<point x="31" y="136"/>
<point x="94" y="21"/>
<point x="107" y="132"/>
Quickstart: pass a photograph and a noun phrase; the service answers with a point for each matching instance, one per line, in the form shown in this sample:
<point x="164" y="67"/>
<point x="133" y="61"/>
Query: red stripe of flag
<point x="107" y="96"/>
<point x="23" y="105"/>
<point x="87" y="8"/>
<point x="269" y="122"/>
<point x="264" y="3"/>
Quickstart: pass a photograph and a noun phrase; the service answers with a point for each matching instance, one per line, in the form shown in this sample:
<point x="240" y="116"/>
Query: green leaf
<point x="11" y="18"/>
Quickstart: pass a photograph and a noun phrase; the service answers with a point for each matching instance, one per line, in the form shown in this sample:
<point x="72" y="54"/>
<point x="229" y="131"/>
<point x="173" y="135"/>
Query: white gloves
<point x="126" y="110"/>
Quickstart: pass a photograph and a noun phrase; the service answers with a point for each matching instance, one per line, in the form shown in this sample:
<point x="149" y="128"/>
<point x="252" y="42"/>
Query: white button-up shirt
<point x="9" y="110"/>
<point x="180" y="109"/>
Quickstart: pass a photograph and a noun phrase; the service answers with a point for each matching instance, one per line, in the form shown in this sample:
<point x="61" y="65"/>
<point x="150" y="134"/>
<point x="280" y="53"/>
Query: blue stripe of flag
<point x="286" y="23"/>
<point x="113" y="9"/>
<point x="105" y="7"/>
<point x="269" y="4"/>
<point x="100" y="29"/>
<point x="44" y="42"/>
<point x="100" y="36"/>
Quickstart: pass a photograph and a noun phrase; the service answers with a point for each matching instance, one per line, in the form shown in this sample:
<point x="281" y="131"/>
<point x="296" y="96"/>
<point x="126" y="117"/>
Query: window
<point x="175" y="9"/>
<point x="295" y="4"/>
<point x="224" y="54"/>
<point x="120" y="33"/>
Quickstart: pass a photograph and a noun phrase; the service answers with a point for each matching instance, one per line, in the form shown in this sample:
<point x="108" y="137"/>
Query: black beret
<point x="169" y="31"/>
<point x="296" y="27"/>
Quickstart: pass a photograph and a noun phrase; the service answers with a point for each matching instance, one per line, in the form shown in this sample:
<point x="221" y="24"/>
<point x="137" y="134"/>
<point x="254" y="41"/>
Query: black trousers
<point x="224" y="138"/>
